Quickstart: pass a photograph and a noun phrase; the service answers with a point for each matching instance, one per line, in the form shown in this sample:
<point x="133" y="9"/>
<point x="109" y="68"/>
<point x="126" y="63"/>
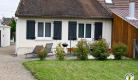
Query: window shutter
<point x="57" y="30"/>
<point x="72" y="30"/>
<point x="30" y="33"/>
<point x="98" y="30"/>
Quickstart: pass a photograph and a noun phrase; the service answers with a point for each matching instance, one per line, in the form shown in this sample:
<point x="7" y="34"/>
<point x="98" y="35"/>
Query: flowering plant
<point x="81" y="50"/>
<point x="60" y="52"/>
<point x="119" y="50"/>
<point x="100" y="49"/>
<point x="42" y="52"/>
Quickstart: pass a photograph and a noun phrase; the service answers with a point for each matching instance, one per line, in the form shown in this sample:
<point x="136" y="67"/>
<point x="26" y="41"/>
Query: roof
<point x="6" y="21"/>
<point x="62" y="8"/>
<point x="117" y="4"/>
<point x="124" y="13"/>
<point x="1" y="24"/>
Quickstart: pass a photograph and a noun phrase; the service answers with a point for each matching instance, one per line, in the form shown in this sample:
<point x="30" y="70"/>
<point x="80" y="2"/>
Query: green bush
<point x="82" y="50"/>
<point x="119" y="50"/>
<point x="42" y="52"/>
<point x="100" y="50"/>
<point x="60" y="52"/>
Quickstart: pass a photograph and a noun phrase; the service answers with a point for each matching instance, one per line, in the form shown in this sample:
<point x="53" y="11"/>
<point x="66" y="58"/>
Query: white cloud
<point x="8" y="8"/>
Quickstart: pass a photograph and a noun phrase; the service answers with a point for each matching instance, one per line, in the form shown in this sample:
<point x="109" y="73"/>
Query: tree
<point x="13" y="28"/>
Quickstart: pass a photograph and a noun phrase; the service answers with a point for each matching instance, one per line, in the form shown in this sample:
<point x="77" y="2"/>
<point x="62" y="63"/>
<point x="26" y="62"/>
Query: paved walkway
<point x="11" y="68"/>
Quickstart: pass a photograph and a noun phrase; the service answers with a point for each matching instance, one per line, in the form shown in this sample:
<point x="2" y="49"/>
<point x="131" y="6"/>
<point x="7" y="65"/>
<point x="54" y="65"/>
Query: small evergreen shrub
<point x="42" y="52"/>
<point x="60" y="52"/>
<point x="82" y="50"/>
<point x="100" y="49"/>
<point x="119" y="50"/>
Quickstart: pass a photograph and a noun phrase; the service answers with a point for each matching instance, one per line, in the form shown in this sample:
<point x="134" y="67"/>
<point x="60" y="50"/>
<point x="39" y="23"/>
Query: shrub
<point x="60" y="52"/>
<point x="119" y="50"/>
<point x="82" y="50"/>
<point x="100" y="49"/>
<point x="42" y="52"/>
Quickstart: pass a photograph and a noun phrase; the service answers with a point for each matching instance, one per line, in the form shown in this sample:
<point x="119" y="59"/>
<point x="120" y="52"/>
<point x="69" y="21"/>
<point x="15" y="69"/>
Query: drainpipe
<point x="131" y="10"/>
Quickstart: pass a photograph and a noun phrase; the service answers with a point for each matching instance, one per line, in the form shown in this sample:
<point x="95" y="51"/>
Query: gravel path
<point x="11" y="68"/>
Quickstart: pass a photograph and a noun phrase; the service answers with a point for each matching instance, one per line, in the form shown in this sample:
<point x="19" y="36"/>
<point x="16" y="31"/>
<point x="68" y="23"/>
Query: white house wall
<point x="23" y="45"/>
<point x="5" y="36"/>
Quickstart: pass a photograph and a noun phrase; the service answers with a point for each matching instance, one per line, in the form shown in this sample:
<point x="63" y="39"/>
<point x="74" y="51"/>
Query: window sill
<point x="88" y="39"/>
<point x="43" y="39"/>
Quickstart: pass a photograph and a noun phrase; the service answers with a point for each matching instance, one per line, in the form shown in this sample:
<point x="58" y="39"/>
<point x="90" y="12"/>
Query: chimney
<point x="131" y="10"/>
<point x="3" y="18"/>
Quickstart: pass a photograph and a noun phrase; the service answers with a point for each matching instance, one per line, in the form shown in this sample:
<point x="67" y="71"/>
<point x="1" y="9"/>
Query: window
<point x="108" y="1"/>
<point x="44" y="30"/>
<point x="81" y="30"/>
<point x="85" y="31"/>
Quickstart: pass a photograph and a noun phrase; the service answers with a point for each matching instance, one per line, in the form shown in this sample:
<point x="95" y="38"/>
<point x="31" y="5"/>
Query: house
<point x="53" y="21"/>
<point x="4" y="35"/>
<point x="6" y="21"/>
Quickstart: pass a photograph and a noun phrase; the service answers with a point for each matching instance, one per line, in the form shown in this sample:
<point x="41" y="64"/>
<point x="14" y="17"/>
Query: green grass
<point x="82" y="70"/>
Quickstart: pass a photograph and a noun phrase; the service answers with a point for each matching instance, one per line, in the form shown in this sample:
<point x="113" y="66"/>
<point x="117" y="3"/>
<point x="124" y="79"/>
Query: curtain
<point x="88" y="30"/>
<point x="48" y="30"/>
<point x="40" y="29"/>
<point x="81" y="31"/>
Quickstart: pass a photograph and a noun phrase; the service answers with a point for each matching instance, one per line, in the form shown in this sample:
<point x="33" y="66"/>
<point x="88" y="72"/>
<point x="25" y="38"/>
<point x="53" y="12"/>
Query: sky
<point x="8" y="8"/>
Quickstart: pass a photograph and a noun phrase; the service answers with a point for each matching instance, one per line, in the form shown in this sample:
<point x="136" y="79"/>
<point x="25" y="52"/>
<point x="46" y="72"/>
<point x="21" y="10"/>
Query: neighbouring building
<point x="125" y="22"/>
<point x="6" y="21"/>
<point x="4" y="35"/>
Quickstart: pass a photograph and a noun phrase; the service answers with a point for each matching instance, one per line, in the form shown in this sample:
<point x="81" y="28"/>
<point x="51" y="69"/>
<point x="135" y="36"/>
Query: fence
<point x="135" y="48"/>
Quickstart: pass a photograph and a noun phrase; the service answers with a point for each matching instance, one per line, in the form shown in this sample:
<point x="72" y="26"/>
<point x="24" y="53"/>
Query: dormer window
<point x="108" y="1"/>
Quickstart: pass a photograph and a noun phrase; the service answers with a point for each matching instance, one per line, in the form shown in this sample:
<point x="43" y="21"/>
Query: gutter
<point x="64" y="17"/>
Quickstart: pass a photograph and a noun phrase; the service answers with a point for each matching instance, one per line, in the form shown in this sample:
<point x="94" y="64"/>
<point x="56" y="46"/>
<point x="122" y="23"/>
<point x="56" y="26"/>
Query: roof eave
<point x="63" y="17"/>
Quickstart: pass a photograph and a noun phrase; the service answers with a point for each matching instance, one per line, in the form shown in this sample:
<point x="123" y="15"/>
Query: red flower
<point x="111" y="49"/>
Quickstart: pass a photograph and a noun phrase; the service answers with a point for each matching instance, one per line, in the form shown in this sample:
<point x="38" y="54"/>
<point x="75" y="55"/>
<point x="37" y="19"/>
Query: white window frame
<point x="92" y="31"/>
<point x="44" y="38"/>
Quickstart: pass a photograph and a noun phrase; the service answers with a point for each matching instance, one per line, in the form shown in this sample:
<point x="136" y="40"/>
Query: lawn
<point x="82" y="70"/>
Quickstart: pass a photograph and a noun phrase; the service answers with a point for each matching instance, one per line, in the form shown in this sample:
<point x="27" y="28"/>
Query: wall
<point x="23" y="45"/>
<point x="5" y="40"/>
<point x="124" y="32"/>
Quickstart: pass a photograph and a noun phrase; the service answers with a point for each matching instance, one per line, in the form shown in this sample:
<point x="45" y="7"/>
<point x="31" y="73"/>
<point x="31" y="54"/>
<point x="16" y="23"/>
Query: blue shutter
<point x="72" y="30"/>
<point x="57" y="30"/>
<point x="98" y="30"/>
<point x="30" y="33"/>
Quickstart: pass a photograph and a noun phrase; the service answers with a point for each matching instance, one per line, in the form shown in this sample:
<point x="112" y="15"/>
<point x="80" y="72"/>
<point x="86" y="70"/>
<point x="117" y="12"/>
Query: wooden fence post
<point x="134" y="47"/>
